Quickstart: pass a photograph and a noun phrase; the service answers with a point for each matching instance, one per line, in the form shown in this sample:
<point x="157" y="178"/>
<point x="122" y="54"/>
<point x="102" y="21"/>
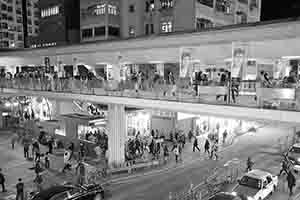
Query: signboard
<point x="160" y="69"/>
<point x="186" y="62"/>
<point x="239" y="59"/>
<point x="109" y="72"/>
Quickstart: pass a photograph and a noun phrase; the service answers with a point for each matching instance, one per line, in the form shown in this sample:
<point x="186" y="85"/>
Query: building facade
<point x="133" y="18"/>
<point x="15" y="24"/>
<point x="59" y="23"/>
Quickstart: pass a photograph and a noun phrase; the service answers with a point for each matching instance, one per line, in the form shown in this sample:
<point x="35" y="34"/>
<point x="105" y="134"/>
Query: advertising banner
<point x="186" y="62"/>
<point x="239" y="59"/>
<point x="250" y="72"/>
<point x="160" y="69"/>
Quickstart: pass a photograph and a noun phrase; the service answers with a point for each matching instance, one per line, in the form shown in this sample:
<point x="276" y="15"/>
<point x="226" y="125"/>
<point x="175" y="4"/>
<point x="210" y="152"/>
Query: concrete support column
<point x="116" y="133"/>
<point x="1" y="119"/>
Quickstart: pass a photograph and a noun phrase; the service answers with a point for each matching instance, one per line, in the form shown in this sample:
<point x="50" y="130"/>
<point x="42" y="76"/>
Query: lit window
<point x="166" y="4"/>
<point x="112" y="10"/>
<point x="166" y="27"/>
<point x="131" y="31"/>
<point x="50" y="11"/>
<point x="100" y="9"/>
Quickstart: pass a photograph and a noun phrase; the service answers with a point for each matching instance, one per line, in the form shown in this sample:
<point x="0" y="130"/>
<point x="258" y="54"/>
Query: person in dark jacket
<point x="20" y="190"/>
<point x="206" y="146"/>
<point x="2" y="181"/>
<point x="291" y="181"/>
<point x="195" y="145"/>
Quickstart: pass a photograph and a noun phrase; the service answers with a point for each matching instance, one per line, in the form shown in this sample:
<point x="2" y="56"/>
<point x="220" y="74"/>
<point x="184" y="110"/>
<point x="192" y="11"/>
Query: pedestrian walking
<point x="195" y="145"/>
<point x="176" y="152"/>
<point x="13" y="140"/>
<point x="47" y="161"/>
<point x="291" y="181"/>
<point x="81" y="150"/>
<point x="206" y="146"/>
<point x="20" y="190"/>
<point x="166" y="153"/>
<point x="284" y="167"/>
<point x="26" y="150"/>
<point x="224" y="136"/>
<point x="67" y="164"/>
<point x="80" y="170"/>
<point x="38" y="181"/>
<point x="2" y="181"/>
<point x="250" y="164"/>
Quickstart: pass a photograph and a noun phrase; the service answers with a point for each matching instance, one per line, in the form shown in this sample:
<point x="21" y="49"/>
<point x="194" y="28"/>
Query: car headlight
<point x="250" y="198"/>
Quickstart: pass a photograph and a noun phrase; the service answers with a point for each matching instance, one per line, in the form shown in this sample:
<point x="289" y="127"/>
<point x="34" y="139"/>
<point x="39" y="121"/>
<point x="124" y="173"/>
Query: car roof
<point x="50" y="192"/>
<point x="224" y="196"/>
<point x="257" y="173"/>
<point x="297" y="145"/>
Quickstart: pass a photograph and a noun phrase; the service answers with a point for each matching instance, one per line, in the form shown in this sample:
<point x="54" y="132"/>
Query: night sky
<point x="279" y="9"/>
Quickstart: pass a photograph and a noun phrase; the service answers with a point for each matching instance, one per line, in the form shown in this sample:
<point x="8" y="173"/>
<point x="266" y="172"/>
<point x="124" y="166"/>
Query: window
<point x="29" y="22"/>
<point x="30" y="30"/>
<point x="4" y="25"/>
<point x="166" y="4"/>
<point x="209" y="3"/>
<point x="166" y="27"/>
<point x="50" y="11"/>
<point x="4" y="16"/>
<point x="3" y="7"/>
<point x="149" y="6"/>
<point x="20" y="37"/>
<point x="100" y="10"/>
<point x="114" y="31"/>
<point x="87" y="33"/>
<point x="29" y="13"/>
<point x="36" y="31"/>
<point x="11" y="27"/>
<point x="131" y="31"/>
<point x="4" y="44"/>
<point x="203" y="23"/>
<point x="19" y="28"/>
<point x="253" y="4"/>
<point x="223" y="6"/>
<point x="19" y="11"/>
<point x="36" y="22"/>
<point x="243" y="1"/>
<point x="131" y="8"/>
<point x="100" y="31"/>
<point x="37" y="14"/>
<point x="9" y="8"/>
<point x="19" y="20"/>
<point x="11" y="36"/>
<point x="10" y="18"/>
<point x="112" y="10"/>
<point x="147" y="29"/>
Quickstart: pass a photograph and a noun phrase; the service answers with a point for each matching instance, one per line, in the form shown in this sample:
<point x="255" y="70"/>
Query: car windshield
<point x="251" y="182"/>
<point x="295" y="150"/>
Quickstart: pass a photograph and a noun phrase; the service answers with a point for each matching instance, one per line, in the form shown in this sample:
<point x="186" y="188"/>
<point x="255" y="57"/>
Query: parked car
<point x="256" y="185"/>
<point x="226" y="196"/>
<point x="71" y="192"/>
<point x="293" y="155"/>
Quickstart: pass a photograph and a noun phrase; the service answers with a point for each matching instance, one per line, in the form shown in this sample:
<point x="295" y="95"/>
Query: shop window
<point x="132" y="8"/>
<point x="113" y="31"/>
<point x="131" y="31"/>
<point x="166" y="4"/>
<point x="112" y="10"/>
<point x="87" y="33"/>
<point x="209" y="3"/>
<point x="203" y="23"/>
<point x="100" y="31"/>
<point x="100" y="9"/>
<point x="166" y="27"/>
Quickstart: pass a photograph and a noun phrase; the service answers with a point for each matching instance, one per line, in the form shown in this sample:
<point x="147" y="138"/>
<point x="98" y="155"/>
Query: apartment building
<point x="59" y="23"/>
<point x="109" y="19"/>
<point x="18" y="20"/>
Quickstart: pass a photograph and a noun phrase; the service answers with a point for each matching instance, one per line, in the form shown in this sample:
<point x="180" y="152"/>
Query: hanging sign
<point x="186" y="62"/>
<point x="239" y="59"/>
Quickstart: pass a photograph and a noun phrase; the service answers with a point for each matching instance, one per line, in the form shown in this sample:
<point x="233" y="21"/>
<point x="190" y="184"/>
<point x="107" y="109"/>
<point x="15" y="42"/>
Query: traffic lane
<point x="158" y="187"/>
